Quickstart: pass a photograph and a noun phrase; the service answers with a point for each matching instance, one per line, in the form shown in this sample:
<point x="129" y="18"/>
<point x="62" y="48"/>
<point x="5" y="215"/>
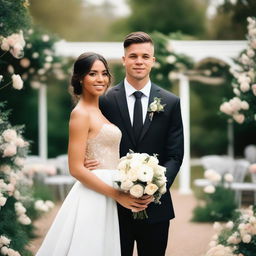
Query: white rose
<point x="137" y="190"/>
<point x="245" y="87"/>
<point x="226" y="108"/>
<point x="153" y="106"/>
<point x="219" y="250"/>
<point x="171" y="59"/>
<point x="9" y="135"/>
<point x="236" y="92"/>
<point x="209" y="189"/>
<point x="132" y="175"/>
<point x="135" y="164"/>
<point x="162" y="189"/>
<point x="244" y="105"/>
<point x="250" y="53"/>
<point x="24" y="219"/>
<point x="228" y="177"/>
<point x="10" y="150"/>
<point x="153" y="162"/>
<point x="123" y="164"/>
<point x="254" y="89"/>
<point x="5" y="168"/>
<point x="145" y="173"/>
<point x="160" y="170"/>
<point x="161" y="180"/>
<point x="19" y="208"/>
<point x="239" y="118"/>
<point x="245" y="60"/>
<point x="150" y="189"/>
<point x="4" y="250"/>
<point x="247" y="238"/>
<point x="2" y="200"/>
<point x="5" y="45"/>
<point x="20" y="142"/>
<point x="4" y="240"/>
<point x="17" y="82"/>
<point x="217" y="226"/>
<point x="126" y="185"/>
<point x="19" y="161"/>
<point x="230" y="224"/>
<point x="45" y="38"/>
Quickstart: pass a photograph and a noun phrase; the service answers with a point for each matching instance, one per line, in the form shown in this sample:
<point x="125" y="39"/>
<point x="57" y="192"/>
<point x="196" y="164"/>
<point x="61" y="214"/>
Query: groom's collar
<point x="129" y="89"/>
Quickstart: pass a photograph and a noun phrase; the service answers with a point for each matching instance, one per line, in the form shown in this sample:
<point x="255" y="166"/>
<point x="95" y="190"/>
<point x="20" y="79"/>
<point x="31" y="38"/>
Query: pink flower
<point x="239" y="118"/>
<point x="254" y="89"/>
<point x="252" y="168"/>
<point x="10" y="150"/>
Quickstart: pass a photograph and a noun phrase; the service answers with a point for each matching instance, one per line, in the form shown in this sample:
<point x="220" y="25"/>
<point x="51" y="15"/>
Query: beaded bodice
<point x="105" y="147"/>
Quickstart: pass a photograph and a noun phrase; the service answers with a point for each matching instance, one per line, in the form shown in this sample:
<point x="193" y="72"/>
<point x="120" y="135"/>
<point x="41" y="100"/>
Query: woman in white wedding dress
<point x="87" y="223"/>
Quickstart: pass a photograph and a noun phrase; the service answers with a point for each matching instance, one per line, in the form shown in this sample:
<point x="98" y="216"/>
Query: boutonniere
<point x="155" y="107"/>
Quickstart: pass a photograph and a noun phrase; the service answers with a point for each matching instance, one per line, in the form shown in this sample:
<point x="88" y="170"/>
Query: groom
<point x="126" y="105"/>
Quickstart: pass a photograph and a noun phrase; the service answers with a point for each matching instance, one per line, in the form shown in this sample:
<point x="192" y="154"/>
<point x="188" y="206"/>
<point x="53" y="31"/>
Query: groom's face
<point x="138" y="60"/>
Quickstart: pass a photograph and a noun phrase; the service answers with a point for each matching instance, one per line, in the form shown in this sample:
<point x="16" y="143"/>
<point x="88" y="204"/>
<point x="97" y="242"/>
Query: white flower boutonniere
<point x="155" y="106"/>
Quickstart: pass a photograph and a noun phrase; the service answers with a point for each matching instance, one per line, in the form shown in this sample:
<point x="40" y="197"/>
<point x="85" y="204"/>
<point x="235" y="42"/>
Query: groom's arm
<point x="174" y="148"/>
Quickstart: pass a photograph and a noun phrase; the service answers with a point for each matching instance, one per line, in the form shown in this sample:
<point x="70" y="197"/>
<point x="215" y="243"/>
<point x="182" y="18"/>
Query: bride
<point x="87" y="223"/>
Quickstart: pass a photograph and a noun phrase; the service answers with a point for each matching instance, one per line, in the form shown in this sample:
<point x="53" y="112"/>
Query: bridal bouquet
<point x="140" y="174"/>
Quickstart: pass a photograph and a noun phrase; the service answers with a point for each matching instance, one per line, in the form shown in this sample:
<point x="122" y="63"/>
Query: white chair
<point x="250" y="153"/>
<point x="220" y="164"/>
<point x="63" y="178"/>
<point x="239" y="172"/>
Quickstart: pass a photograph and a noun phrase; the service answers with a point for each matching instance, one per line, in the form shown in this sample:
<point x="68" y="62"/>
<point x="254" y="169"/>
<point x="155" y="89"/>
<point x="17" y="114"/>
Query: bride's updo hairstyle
<point x="82" y="67"/>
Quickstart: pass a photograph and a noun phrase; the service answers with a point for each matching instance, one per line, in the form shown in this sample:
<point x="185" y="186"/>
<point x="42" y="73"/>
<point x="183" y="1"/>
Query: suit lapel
<point x="123" y="107"/>
<point x="154" y="92"/>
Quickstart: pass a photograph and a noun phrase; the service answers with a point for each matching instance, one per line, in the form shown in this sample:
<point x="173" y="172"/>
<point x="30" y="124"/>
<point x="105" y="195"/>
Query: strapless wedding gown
<point x="87" y="222"/>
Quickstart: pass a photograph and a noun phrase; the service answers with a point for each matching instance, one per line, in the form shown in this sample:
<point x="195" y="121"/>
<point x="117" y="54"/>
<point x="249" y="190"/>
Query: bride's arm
<point x="78" y="135"/>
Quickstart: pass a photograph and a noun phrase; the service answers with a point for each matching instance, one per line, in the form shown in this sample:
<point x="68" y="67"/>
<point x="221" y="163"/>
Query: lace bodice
<point x="105" y="147"/>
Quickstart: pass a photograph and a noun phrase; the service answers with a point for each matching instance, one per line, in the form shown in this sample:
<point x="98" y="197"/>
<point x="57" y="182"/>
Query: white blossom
<point x="137" y="190"/>
<point x="17" y="82"/>
<point x="150" y="189"/>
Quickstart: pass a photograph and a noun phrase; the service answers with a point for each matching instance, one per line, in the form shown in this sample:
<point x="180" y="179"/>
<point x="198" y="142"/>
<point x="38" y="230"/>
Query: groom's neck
<point x="137" y="84"/>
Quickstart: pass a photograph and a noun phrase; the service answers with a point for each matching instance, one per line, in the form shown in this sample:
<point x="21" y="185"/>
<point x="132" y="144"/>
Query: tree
<point x="74" y="20"/>
<point x="230" y="21"/>
<point x="166" y="16"/>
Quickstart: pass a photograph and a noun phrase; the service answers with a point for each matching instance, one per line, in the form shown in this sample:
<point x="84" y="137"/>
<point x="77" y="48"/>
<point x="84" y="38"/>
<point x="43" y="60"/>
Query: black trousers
<point x="151" y="238"/>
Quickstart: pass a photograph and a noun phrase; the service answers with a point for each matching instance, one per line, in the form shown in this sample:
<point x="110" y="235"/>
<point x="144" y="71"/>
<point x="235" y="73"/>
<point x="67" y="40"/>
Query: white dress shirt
<point x="129" y="90"/>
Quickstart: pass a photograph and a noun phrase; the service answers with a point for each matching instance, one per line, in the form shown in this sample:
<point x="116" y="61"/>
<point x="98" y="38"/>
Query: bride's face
<point x="96" y="81"/>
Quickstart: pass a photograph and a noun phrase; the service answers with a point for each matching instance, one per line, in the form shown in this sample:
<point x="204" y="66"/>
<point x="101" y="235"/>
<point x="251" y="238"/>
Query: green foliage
<point x="230" y="20"/>
<point x="167" y="61"/>
<point x="75" y="20"/>
<point x="39" y="67"/>
<point x="239" y="233"/>
<point x="187" y="16"/>
<point x="14" y="16"/>
<point x="218" y="206"/>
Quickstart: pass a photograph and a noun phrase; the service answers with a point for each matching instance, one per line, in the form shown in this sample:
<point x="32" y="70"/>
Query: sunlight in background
<point x="122" y="9"/>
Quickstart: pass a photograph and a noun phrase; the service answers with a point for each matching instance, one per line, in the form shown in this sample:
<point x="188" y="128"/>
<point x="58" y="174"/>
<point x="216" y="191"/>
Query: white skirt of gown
<point x="86" y="224"/>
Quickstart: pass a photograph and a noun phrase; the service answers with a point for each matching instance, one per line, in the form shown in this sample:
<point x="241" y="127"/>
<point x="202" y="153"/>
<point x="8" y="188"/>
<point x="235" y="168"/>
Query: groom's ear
<point x="123" y="60"/>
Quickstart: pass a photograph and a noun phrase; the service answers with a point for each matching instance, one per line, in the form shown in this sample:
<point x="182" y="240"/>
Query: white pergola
<point x="113" y="51"/>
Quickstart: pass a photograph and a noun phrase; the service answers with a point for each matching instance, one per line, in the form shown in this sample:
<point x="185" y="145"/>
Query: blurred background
<point x="110" y="21"/>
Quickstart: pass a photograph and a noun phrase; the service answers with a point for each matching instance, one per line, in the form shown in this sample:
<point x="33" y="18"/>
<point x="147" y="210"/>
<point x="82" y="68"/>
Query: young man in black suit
<point x="126" y="106"/>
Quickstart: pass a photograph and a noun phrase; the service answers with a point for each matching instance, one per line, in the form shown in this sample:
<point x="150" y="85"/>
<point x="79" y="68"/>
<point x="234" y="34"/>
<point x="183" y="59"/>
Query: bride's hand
<point x="132" y="203"/>
<point x="91" y="164"/>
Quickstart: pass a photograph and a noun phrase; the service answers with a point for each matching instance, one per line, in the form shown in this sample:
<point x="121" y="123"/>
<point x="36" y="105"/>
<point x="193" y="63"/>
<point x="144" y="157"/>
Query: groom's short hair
<point x="138" y="37"/>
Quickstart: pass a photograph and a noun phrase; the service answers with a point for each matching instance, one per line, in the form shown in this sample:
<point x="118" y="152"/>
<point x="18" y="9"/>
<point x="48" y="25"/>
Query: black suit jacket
<point x="163" y="136"/>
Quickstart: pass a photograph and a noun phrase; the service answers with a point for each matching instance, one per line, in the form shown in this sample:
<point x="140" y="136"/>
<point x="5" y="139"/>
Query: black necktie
<point x="137" y="114"/>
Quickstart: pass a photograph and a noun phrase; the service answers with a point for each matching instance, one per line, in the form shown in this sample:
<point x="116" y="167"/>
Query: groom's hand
<point x="91" y="164"/>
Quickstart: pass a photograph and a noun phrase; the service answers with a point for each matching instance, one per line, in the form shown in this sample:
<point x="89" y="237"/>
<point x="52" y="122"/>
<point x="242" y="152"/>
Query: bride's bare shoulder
<point x="80" y="113"/>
